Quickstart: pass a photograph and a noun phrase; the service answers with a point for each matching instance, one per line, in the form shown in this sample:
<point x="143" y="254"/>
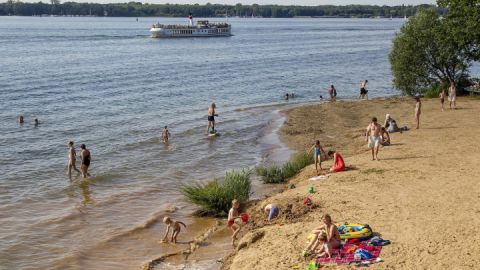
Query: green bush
<point x="214" y="197"/>
<point x="274" y="174"/>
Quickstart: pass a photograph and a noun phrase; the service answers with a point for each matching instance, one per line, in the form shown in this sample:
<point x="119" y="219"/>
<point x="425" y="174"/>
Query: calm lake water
<point x="103" y="82"/>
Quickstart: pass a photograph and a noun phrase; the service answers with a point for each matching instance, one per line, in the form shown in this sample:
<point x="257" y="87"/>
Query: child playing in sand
<point x="418" y="111"/>
<point x="272" y="210"/>
<point x="324" y="249"/>
<point x="317" y="155"/>
<point x="232" y="215"/>
<point x="165" y="134"/>
<point x="176" y="229"/>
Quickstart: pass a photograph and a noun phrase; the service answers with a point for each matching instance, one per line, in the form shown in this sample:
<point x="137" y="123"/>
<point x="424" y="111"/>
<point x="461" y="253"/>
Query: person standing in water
<point x="20" y="120"/>
<point x="418" y="111"/>
<point x="165" y="134"/>
<point x="363" y="90"/>
<point x="373" y="137"/>
<point x="36" y="123"/>
<point x="72" y="155"/>
<point x="85" y="160"/>
<point x="332" y="92"/>
<point x="211" y="118"/>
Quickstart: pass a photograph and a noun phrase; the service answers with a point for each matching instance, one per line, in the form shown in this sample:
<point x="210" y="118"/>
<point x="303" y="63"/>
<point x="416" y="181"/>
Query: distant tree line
<point x="137" y="9"/>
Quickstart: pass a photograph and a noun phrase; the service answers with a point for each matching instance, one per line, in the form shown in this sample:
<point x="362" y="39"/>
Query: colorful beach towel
<point x="346" y="254"/>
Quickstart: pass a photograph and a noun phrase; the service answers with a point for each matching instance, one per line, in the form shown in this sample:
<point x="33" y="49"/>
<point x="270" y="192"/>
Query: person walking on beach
<point x="72" y="154"/>
<point x="373" y="137"/>
<point x="332" y="92"/>
<point x="418" y="111"/>
<point x="85" y="159"/>
<point x="317" y="155"/>
<point x="442" y="98"/>
<point x="452" y="95"/>
<point x="232" y="215"/>
<point x="363" y="90"/>
<point x="211" y="118"/>
<point x="165" y="134"/>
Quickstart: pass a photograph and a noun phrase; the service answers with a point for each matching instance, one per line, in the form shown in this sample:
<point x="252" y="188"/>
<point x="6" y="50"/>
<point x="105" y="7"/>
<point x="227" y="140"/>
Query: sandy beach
<point x="422" y="195"/>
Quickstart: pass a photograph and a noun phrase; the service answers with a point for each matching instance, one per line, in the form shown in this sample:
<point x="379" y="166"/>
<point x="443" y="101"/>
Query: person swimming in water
<point x="211" y="118"/>
<point x="85" y="160"/>
<point x="72" y="154"/>
<point x="20" y="120"/>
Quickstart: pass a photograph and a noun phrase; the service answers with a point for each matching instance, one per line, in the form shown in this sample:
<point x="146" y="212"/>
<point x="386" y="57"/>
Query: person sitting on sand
<point x="390" y="124"/>
<point x="339" y="163"/>
<point x="272" y="210"/>
<point x="324" y="249"/>
<point x="232" y="215"/>
<point x="418" y="111"/>
<point x="176" y="229"/>
<point x="331" y="231"/>
<point x="373" y="137"/>
<point x="165" y="134"/>
<point x="385" y="137"/>
<point x="317" y="155"/>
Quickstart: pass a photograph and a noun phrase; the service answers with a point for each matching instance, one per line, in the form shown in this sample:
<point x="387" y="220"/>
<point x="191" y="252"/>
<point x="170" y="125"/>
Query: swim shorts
<point x="230" y="223"/>
<point x="363" y="91"/>
<point x="452" y="98"/>
<point x="211" y="118"/>
<point x="373" y="141"/>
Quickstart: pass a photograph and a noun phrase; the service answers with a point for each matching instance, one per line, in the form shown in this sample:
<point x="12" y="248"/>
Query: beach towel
<point x="345" y="255"/>
<point x="320" y="177"/>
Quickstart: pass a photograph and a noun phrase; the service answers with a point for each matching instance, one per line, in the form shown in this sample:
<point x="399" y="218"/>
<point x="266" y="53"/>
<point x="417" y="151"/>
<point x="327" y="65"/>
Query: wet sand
<point x="422" y="195"/>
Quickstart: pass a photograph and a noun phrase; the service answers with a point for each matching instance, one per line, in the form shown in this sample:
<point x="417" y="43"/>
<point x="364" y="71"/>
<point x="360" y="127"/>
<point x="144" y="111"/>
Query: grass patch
<point x="373" y="170"/>
<point x="275" y="174"/>
<point x="215" y="198"/>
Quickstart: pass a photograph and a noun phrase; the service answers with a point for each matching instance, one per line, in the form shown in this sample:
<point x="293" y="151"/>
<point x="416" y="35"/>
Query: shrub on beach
<point x="214" y="197"/>
<point x="274" y="174"/>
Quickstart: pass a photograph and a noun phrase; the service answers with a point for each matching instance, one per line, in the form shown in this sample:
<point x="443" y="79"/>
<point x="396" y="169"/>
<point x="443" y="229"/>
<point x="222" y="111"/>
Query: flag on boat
<point x="190" y="18"/>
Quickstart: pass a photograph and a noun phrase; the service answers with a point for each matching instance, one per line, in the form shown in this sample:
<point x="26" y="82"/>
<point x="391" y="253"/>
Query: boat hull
<point x="193" y="32"/>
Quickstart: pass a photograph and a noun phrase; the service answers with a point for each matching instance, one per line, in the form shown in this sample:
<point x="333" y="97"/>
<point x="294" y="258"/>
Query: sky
<point x="268" y="2"/>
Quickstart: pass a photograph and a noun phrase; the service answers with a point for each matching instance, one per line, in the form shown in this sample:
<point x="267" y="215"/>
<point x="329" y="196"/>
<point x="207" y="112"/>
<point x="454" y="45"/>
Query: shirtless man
<point x="418" y="111"/>
<point x="72" y="154"/>
<point x="211" y="117"/>
<point x="84" y="160"/>
<point x="333" y="236"/>
<point x="363" y="90"/>
<point x="373" y="137"/>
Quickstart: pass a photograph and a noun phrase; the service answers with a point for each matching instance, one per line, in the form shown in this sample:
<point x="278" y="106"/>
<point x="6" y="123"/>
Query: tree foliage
<point x="425" y="54"/>
<point x="137" y="9"/>
<point x="463" y="19"/>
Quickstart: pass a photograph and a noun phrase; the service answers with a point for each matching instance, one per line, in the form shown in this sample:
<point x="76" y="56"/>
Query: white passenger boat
<point x="201" y="29"/>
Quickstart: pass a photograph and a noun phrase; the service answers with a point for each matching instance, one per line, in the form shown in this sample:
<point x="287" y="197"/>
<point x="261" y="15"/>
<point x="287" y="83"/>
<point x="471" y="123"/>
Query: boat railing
<point x="182" y="26"/>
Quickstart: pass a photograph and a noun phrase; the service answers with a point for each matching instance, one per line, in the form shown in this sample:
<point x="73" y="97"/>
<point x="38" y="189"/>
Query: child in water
<point x="317" y="155"/>
<point x="165" y="134"/>
<point x="232" y="215"/>
<point x="176" y="229"/>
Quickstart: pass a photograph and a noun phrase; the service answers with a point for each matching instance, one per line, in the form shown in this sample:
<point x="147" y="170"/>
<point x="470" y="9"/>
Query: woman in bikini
<point x="333" y="236"/>
<point x="85" y="160"/>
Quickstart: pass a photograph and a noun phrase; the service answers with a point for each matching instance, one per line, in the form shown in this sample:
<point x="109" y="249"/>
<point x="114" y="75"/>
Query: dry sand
<point x="422" y="195"/>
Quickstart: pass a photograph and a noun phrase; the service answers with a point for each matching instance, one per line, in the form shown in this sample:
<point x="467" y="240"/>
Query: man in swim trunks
<point x="363" y="90"/>
<point x="85" y="160"/>
<point x="373" y="137"/>
<point x="211" y="118"/>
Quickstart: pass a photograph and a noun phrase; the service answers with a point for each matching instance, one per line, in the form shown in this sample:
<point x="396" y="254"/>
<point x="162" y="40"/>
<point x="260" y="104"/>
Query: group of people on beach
<point x="452" y="97"/>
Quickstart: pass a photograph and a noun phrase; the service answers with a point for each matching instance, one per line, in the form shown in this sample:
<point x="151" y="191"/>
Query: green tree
<point x="463" y="19"/>
<point x="424" y="54"/>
